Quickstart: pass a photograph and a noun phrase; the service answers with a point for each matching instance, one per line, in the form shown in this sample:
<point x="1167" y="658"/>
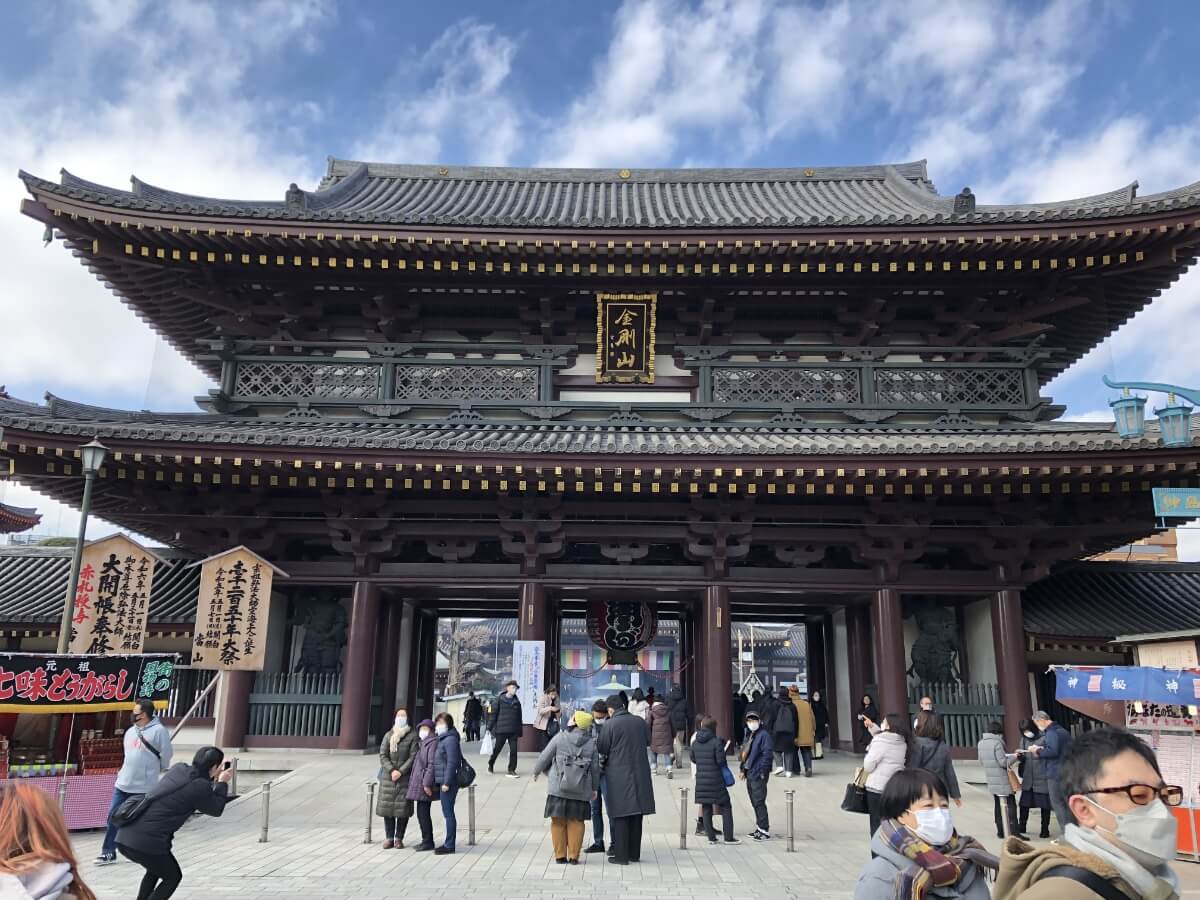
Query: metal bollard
<point x="790" y="800"/>
<point x="370" y="810"/>
<point x="62" y="796"/>
<point x="471" y="815"/>
<point x="266" y="811"/>
<point x="683" y="818"/>
<point x="233" y="777"/>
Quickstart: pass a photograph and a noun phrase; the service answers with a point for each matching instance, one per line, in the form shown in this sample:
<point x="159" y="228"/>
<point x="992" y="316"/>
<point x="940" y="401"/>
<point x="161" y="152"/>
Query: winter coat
<point x="447" y="758"/>
<point x="806" y="722"/>
<point x="820" y="719"/>
<point x="181" y="792"/>
<point x="995" y="761"/>
<point x="622" y="746"/>
<point x="1056" y="741"/>
<point x="768" y="709"/>
<point x="1033" y="770"/>
<point x="141" y="768"/>
<point x="885" y="757"/>
<point x="708" y="756"/>
<point x="639" y="708"/>
<point x="392" y="800"/>
<point x="420" y="776"/>
<point x="757" y="763"/>
<point x="662" y="735"/>
<point x="783" y="728"/>
<point x="878" y="877"/>
<point x="506" y="716"/>
<point x="561" y="752"/>
<point x="545" y="712"/>
<point x="473" y="711"/>
<point x="45" y="881"/>
<point x="1022" y="866"/>
<point x="934" y="756"/>
<point x="681" y="710"/>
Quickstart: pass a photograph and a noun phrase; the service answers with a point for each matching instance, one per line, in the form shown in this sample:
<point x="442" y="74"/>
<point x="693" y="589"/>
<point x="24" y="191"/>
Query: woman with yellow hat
<point x="574" y="767"/>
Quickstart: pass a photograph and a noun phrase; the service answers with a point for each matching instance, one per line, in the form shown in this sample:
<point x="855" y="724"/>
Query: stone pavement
<point x="318" y="818"/>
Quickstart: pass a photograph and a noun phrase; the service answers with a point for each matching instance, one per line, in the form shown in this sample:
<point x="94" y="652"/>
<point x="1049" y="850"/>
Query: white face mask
<point x="1147" y="832"/>
<point x="423" y="733"/>
<point x="1029" y="734"/>
<point x="401" y="721"/>
<point x="934" y="825"/>
<point x="440" y="728"/>
<point x="753" y="726"/>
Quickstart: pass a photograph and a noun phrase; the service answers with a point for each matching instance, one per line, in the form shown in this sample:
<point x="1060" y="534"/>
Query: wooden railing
<point x="966" y="710"/>
<point x="295" y="705"/>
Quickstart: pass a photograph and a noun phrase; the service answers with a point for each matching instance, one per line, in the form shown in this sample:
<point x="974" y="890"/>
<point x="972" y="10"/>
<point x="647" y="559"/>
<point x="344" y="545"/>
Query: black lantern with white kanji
<point x="621" y="628"/>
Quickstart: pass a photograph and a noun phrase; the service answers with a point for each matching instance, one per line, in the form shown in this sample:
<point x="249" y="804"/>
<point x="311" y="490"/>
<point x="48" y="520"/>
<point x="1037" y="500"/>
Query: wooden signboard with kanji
<point x="625" y="338"/>
<point x="112" y="602"/>
<point x="234" y="607"/>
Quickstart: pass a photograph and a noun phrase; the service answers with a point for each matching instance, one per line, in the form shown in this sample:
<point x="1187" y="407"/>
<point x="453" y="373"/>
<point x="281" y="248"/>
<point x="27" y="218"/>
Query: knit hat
<point x="583" y="719"/>
<point x="425" y="723"/>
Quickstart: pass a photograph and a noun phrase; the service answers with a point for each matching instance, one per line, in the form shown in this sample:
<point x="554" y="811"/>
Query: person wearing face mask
<point x="1035" y="790"/>
<point x="420" y="782"/>
<point x="916" y="853"/>
<point x="1123" y="835"/>
<point x="821" y="718"/>
<point x="756" y="770"/>
<point x="447" y="759"/>
<point x="148" y="752"/>
<point x="505" y="725"/>
<point x="396" y="753"/>
<point x="892" y="747"/>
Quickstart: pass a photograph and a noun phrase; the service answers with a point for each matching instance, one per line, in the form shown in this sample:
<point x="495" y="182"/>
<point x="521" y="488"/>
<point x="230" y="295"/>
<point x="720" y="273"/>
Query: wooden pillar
<point x="404" y="681"/>
<point x="422" y="662"/>
<point x="829" y="690"/>
<point x="1008" y="632"/>
<point x="533" y="624"/>
<point x="858" y="652"/>
<point x="389" y="663"/>
<point x="233" y="708"/>
<point x="888" y="622"/>
<point x="686" y="679"/>
<point x="356" y="672"/>
<point x="712" y="637"/>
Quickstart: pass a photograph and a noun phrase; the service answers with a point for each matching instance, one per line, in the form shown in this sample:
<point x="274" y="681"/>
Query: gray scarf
<point x="1160" y="883"/>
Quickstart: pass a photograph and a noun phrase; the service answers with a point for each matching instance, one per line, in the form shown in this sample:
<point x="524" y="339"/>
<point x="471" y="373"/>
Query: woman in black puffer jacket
<point x="708" y="755"/>
<point x="201" y="786"/>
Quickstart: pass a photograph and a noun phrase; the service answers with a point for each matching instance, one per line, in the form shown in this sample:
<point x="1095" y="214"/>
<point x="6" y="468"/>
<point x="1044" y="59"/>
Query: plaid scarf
<point x="931" y="867"/>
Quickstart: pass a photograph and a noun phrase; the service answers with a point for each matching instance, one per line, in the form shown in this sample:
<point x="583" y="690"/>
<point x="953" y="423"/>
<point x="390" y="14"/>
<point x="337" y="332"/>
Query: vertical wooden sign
<point x="112" y="602"/>
<point x="625" y="338"/>
<point x="233" y="611"/>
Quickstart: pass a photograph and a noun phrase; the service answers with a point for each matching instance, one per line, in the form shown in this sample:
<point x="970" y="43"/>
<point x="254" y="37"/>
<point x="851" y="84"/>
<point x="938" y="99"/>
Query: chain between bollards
<point x="471" y="815"/>
<point x="370" y="810"/>
<point x="266" y="811"/>
<point x="790" y="800"/>
<point x="683" y="818"/>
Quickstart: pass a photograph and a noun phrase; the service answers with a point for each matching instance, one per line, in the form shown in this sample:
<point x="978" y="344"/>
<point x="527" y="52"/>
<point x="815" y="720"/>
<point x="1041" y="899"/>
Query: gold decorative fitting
<point x="624" y="173"/>
<point x="442" y="170"/>
<point x="809" y="173"/>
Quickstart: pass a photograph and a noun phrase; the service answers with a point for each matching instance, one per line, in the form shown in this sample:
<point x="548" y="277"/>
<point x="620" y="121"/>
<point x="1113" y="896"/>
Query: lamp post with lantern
<point x="91" y="456"/>
<point x="1174" y="419"/>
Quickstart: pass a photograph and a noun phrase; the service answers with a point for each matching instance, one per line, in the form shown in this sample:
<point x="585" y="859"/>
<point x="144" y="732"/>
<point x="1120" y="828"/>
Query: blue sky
<point x="1021" y="101"/>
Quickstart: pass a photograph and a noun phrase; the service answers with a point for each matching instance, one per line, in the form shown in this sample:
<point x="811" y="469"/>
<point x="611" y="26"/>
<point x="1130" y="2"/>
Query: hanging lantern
<point x="621" y="628"/>
<point x="1175" y="423"/>
<point x="1130" y="415"/>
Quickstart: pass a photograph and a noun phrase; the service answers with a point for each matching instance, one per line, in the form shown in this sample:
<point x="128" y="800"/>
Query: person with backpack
<point x="147" y="755"/>
<point x="681" y="719"/>
<point x="573" y="764"/>
<point x="447" y="760"/>
<point x="662" y="737"/>
<point x="712" y="787"/>
<point x="505" y="724"/>
<point x="420" y="781"/>
<point x="201" y="786"/>
<point x="783" y="735"/>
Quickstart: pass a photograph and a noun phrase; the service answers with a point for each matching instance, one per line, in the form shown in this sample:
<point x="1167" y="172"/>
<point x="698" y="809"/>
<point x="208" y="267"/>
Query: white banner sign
<point x="529" y="671"/>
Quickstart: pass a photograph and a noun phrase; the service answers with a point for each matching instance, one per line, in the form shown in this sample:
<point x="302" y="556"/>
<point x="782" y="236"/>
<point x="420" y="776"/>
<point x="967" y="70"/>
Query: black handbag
<point x="855" y="798"/>
<point x="130" y="809"/>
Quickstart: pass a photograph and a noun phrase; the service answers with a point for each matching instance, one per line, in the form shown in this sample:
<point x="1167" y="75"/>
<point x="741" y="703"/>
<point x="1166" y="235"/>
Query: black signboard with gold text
<point x="625" y="338"/>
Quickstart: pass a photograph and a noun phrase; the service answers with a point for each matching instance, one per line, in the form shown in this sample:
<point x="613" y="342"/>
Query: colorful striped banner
<point x="581" y="660"/>
<point x="655" y="660"/>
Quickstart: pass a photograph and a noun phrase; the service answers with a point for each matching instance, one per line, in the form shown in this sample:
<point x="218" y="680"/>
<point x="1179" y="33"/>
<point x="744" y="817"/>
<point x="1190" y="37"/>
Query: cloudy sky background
<point x="1020" y="101"/>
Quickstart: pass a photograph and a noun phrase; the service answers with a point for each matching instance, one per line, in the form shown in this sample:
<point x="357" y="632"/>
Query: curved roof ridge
<point x="151" y="192"/>
<point x="1118" y="197"/>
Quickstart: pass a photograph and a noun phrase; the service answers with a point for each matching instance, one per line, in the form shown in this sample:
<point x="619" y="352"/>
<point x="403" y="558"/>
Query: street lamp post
<point x="1174" y="419"/>
<point x="92" y="456"/>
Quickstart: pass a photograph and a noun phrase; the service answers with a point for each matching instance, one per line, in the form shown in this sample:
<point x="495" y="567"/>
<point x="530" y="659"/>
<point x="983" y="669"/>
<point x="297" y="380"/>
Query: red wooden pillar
<point x="1008" y="632"/>
<point x="533" y="624"/>
<point x="888" y="621"/>
<point x="356" y="672"/>
<point x="233" y="708"/>
<point x="389" y="663"/>
<point x="858" y="654"/>
<point x="712" y="639"/>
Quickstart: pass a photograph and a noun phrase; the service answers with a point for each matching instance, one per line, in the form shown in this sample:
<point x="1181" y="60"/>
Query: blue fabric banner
<point x="1128" y="683"/>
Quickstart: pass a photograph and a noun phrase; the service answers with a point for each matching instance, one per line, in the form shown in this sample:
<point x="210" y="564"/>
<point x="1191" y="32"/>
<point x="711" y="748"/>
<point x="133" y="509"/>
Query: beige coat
<point x="806" y="722"/>
<point x="1022" y="864"/>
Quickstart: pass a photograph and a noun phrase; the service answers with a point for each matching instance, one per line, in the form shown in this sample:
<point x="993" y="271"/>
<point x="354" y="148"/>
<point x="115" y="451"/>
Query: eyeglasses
<point x="1143" y="794"/>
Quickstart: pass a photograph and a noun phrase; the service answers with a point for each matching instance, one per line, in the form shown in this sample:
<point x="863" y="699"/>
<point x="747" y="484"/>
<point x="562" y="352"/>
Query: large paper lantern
<point x="621" y="627"/>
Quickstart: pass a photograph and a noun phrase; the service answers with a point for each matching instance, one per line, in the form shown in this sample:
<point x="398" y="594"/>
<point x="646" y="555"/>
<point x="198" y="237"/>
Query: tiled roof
<point x="1104" y="600"/>
<point x="352" y="191"/>
<point x="33" y="584"/>
<point x="17" y="518"/>
<point x="61" y="417"/>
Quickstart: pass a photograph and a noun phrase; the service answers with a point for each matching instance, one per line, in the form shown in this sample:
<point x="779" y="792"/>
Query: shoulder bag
<point x="855" y="798"/>
<point x="1097" y="884"/>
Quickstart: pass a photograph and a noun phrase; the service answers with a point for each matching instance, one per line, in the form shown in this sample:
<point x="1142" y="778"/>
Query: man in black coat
<point x="622" y="747"/>
<point x="472" y="716"/>
<point x="505" y="725"/>
<point x="680" y="710"/>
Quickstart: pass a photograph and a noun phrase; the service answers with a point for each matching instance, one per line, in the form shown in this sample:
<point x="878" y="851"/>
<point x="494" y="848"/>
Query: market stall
<point x="68" y="691"/>
<point x="1158" y="705"/>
